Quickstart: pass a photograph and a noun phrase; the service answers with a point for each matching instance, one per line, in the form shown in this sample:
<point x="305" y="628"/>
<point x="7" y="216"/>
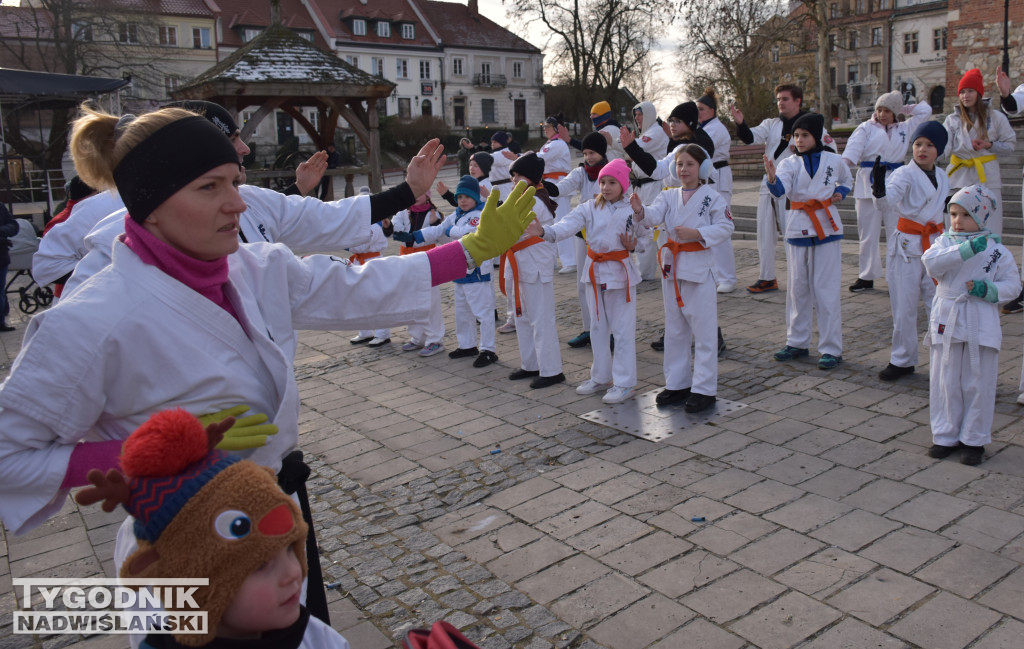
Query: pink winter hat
<point x="617" y="169"/>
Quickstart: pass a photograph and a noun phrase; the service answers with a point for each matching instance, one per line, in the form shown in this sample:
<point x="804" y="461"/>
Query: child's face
<point x="960" y="220"/>
<point x="474" y="169"/>
<point x="268" y="599"/>
<point x="688" y="170"/>
<point x="549" y="131"/>
<point x="495" y="145"/>
<point x="678" y="128"/>
<point x="611" y="190"/>
<point x="517" y="177"/>
<point x="803" y="140"/>
<point x="884" y="116"/>
<point x="466" y="203"/>
<point x="925" y="153"/>
<point x="968" y="97"/>
<point x="591" y="157"/>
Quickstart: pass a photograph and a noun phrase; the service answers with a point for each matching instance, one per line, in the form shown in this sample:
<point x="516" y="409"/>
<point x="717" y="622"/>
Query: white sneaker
<point x="357" y="339"/>
<point x="618" y="394"/>
<point x="590" y="386"/>
<point x="726" y="288"/>
<point x="567" y="269"/>
<point x="378" y="341"/>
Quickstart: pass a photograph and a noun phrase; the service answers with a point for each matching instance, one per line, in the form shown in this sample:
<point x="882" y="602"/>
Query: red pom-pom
<point x="167" y="443"/>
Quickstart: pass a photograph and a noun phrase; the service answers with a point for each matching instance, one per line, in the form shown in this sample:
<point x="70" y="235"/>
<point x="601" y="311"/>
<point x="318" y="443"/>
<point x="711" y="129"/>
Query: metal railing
<point x="490" y="80"/>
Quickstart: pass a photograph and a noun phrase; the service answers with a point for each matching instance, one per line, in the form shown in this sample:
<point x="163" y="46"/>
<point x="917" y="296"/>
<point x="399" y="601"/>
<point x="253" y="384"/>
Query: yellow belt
<point x="955" y="162"/>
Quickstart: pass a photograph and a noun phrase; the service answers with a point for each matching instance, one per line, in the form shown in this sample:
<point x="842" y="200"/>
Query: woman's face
<point x="968" y="97"/>
<point x="704" y="112"/>
<point x="201" y="219"/>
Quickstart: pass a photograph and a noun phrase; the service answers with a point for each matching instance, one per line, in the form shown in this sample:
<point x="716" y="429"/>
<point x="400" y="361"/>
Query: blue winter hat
<point x="501" y="137"/>
<point x="468" y="186"/>
<point x="933" y="131"/>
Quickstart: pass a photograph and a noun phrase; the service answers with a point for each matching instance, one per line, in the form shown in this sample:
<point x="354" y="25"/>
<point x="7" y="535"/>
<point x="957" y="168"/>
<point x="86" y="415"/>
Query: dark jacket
<point x="8" y="228"/>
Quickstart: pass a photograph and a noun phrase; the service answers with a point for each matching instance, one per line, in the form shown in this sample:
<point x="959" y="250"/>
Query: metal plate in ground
<point x="642" y="418"/>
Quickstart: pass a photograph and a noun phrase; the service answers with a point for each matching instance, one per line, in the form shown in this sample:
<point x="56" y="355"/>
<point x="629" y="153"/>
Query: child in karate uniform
<point x="975" y="273"/>
<point x="609" y="275"/>
<point x="695" y="217"/>
<point x="424" y="336"/>
<point x="812" y="180"/>
<point x="915" y="194"/>
<point x="359" y="256"/>
<point x="474" y="297"/>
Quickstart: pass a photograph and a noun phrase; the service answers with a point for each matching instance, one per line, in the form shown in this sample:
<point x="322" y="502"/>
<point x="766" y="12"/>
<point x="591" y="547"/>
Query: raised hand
<point x="637" y="205"/>
<point x="626" y="136"/>
<point x="423" y="168"/>
<point x="309" y="173"/>
<point x="737" y="114"/>
<point x="769" y="168"/>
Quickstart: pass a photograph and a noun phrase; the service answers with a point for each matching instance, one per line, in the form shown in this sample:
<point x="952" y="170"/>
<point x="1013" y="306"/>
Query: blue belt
<point x="889" y="166"/>
<point x="473" y="278"/>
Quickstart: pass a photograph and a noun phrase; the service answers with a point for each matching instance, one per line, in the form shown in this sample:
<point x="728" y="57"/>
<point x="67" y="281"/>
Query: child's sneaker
<point x="764" y="285"/>
<point x="431" y="349"/>
<point x="377" y="342"/>
<point x="411" y="346"/>
<point x="829" y="362"/>
<point x="590" y="386"/>
<point x="972" y="455"/>
<point x="485" y="358"/>
<point x="788" y="353"/>
<point x="581" y="339"/>
<point x="618" y="394"/>
<point x="357" y="339"/>
<point x="507" y="328"/>
<point x="938" y="451"/>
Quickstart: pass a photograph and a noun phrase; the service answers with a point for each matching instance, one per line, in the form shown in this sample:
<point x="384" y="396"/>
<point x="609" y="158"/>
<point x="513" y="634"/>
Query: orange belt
<point x="907" y="226"/>
<point x="525" y="243"/>
<point x="554" y="175"/>
<point x="405" y="250"/>
<point x="597" y="257"/>
<point x="810" y="207"/>
<point x="676" y="247"/>
<point x="360" y="258"/>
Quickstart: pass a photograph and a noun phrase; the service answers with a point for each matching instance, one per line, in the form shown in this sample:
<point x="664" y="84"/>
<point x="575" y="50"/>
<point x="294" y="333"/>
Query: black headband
<point x="168" y="160"/>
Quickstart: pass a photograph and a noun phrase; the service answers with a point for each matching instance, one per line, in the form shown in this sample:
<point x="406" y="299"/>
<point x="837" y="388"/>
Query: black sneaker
<point x="1016" y="305"/>
<point x="545" y="381"/>
<point x="721" y="342"/>
<point x="893" y="372"/>
<point x="659" y="344"/>
<point x="668" y="397"/>
<point x="463" y="353"/>
<point x="862" y="285"/>
<point x="581" y="339"/>
<point x="485" y="358"/>
<point x="520" y="374"/>
<point x="938" y="451"/>
<point x="698" y="402"/>
<point x="972" y="455"/>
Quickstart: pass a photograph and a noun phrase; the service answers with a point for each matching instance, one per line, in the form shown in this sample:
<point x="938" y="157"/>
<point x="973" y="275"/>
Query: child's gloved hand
<point x="245" y="433"/>
<point x="500" y="227"/>
<point x="973" y="246"/>
<point x="405" y="237"/>
<point x="984" y="289"/>
<point x="878" y="179"/>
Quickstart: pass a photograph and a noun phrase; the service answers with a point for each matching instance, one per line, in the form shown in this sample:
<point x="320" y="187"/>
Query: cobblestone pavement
<point x="812" y="518"/>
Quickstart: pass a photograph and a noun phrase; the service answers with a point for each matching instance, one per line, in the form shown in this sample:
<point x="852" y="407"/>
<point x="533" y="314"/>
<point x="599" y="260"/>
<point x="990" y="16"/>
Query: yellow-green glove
<point x="247" y="432"/>
<point x="500" y="227"/>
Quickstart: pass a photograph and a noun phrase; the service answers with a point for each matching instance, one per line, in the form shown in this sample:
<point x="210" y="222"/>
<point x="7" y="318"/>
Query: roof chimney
<point x="275" y="12"/>
<point x="474" y="7"/>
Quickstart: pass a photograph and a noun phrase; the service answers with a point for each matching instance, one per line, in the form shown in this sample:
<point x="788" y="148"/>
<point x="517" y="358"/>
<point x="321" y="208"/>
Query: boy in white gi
<point x="695" y="217"/>
<point x="812" y="181"/>
<point x="423" y="336"/>
<point x="474" y="297"/>
<point x="915" y="194"/>
<point x="886" y="137"/>
<point x="358" y="257"/>
<point x="557" y="164"/>
<point x="528" y="272"/>
<point x="975" y="272"/>
<point x="609" y="275"/>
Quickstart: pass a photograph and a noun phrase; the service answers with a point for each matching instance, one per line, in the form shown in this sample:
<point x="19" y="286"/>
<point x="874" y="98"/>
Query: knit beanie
<point x="978" y="201"/>
<point x="891" y="100"/>
<point x="76" y="189"/>
<point x="619" y="170"/>
<point x="199" y="513"/>
<point x="933" y="131"/>
<point x="813" y="123"/>
<point x="468" y="186"/>
<point x="529" y="166"/>
<point x="600" y="114"/>
<point x="972" y="79"/>
<point x="554" y="120"/>
<point x="483" y="160"/>
<point x="708" y="99"/>
<point x="686" y="113"/>
<point x="595" y="142"/>
<point x="501" y="137"/>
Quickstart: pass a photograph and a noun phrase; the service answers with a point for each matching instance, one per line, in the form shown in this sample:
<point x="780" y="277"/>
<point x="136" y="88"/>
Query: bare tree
<point x="816" y="13"/>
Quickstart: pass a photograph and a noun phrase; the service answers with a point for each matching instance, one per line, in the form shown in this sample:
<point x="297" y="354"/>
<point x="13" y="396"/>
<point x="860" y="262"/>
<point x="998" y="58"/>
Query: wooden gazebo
<point x="281" y="70"/>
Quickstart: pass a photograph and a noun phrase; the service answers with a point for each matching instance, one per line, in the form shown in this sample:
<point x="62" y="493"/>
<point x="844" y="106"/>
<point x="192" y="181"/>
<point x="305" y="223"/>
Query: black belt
<point x="720" y="164"/>
<point x="500" y="182"/>
<point x="292" y="479"/>
<point x="640" y="182"/>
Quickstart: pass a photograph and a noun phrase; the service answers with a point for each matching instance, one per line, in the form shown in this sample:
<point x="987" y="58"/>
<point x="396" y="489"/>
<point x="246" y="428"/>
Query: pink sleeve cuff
<point x="91" y="455"/>
<point x="447" y="262"/>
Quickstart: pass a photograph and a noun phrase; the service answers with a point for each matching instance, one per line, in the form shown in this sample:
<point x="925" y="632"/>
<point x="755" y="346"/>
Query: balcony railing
<point x="490" y="80"/>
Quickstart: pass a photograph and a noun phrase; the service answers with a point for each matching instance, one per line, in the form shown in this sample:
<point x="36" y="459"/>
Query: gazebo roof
<point x="279" y="62"/>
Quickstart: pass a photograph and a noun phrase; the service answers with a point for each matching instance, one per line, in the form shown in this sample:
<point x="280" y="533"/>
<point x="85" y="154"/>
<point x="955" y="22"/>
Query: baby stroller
<point x="23" y="246"/>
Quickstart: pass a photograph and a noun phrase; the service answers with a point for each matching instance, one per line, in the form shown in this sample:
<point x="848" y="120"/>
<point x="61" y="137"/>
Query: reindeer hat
<point x="198" y="512"/>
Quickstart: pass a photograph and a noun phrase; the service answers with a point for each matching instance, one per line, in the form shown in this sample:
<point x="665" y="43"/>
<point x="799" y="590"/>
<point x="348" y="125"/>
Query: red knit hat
<point x="972" y="79"/>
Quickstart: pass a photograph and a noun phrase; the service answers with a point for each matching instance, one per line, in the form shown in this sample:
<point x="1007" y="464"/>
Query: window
<point x="939" y="38"/>
<point x="359" y="27"/>
<point x="246" y="116"/>
<point x="833" y="10"/>
<point x="402" y="68"/>
<point x="792" y="48"/>
<point x="201" y="38"/>
<point x="170" y="84"/>
<point x="352" y="60"/>
<point x="377" y="66"/>
<point x="853" y="73"/>
<point x="408" y="31"/>
<point x="517" y="70"/>
<point x="426" y="108"/>
<point x="168" y="35"/>
<point x="314" y="119"/>
<point x="384" y="29"/>
<point x="425" y="70"/>
<point x="128" y="33"/>
<point x="308" y="36"/>
<point x="457" y="68"/>
<point x="832" y="78"/>
<point x="910" y="43"/>
<point x="249" y="33"/>
<point x="851" y="40"/>
<point x="876" y="35"/>
<point x="775" y="54"/>
<point x="883" y="4"/>
<point x="831" y="42"/>
<point x="404" y="108"/>
<point x="485" y="73"/>
<point x="487" y="111"/>
<point x="82" y="31"/>
<point x="860" y="6"/>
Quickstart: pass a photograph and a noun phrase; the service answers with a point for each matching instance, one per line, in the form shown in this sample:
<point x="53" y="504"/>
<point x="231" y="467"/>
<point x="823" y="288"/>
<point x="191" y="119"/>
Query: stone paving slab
<point x="809" y="519"/>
